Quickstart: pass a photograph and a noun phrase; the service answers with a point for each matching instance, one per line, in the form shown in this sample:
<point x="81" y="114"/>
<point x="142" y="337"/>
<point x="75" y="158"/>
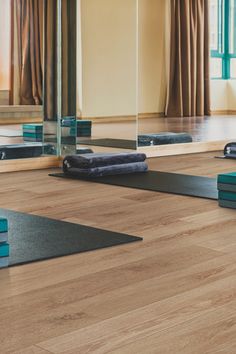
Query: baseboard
<point x="223" y="113"/>
<point x="128" y="118"/>
<point x="20" y="114"/>
<point x="183" y="149"/>
<point x="37" y="163"/>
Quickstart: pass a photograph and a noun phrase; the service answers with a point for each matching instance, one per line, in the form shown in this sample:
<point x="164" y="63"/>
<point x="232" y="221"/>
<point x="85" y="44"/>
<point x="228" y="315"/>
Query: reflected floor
<point x="205" y="129"/>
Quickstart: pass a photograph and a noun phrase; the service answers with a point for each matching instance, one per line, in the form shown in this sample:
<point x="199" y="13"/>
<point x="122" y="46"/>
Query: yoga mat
<point x="34" y="238"/>
<point x="193" y="186"/>
<point x="116" y="143"/>
<point x="10" y="133"/>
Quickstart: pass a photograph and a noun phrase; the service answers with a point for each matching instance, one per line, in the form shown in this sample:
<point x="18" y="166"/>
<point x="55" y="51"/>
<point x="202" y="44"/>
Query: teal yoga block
<point x="227" y="178"/>
<point x="227" y="196"/>
<point x="3" y="225"/>
<point x="4" y="250"/>
<point x="226" y="187"/>
<point x="227" y="204"/>
<point x="4" y="262"/>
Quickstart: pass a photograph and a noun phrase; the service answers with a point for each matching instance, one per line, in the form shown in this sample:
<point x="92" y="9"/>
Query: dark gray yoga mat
<point x="34" y="238"/>
<point x="194" y="186"/>
<point x="108" y="142"/>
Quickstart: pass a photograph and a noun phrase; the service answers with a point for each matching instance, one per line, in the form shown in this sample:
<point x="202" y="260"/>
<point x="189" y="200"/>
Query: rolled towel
<point x="127" y="168"/>
<point x="101" y="160"/>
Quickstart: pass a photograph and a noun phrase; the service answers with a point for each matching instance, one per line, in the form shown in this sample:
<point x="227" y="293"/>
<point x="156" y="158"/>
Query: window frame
<point x="223" y="45"/>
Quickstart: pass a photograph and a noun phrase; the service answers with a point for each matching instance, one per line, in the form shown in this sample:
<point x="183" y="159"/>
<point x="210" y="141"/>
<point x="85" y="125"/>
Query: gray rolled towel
<point x="127" y="168"/>
<point x="101" y="160"/>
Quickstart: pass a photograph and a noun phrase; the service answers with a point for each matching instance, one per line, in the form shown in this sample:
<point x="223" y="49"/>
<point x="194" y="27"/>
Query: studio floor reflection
<point x="202" y="129"/>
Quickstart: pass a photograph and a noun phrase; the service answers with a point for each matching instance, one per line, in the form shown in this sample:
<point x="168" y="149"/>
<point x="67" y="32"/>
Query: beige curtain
<point x="189" y="81"/>
<point x="27" y="52"/>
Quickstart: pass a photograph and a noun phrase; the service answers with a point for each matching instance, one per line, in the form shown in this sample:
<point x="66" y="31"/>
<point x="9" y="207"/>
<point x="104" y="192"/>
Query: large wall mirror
<point x="107" y="77"/>
<point x="187" y="89"/>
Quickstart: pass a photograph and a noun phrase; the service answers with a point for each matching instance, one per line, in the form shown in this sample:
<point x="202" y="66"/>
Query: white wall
<point x="223" y="95"/>
<point x="152" y="55"/>
<point x="108" y="30"/>
<point x="4" y="44"/>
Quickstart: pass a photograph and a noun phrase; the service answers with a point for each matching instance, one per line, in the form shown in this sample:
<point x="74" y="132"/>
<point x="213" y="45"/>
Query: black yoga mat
<point x="115" y="143"/>
<point x="194" y="186"/>
<point x="34" y="238"/>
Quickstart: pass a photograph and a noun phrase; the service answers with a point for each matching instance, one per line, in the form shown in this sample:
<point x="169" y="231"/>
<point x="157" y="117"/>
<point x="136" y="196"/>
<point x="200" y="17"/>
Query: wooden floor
<point x="174" y="293"/>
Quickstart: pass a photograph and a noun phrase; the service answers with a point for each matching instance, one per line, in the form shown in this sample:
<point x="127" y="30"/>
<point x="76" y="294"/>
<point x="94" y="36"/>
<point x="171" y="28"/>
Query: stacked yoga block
<point x="4" y="246"/>
<point x="84" y="128"/>
<point x="98" y="165"/>
<point x="33" y="132"/>
<point x="226" y="184"/>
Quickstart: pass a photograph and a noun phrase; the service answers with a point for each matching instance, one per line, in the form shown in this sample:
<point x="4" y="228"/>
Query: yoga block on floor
<point x="4" y="262"/>
<point x="227" y="178"/>
<point x="164" y="139"/>
<point x="227" y="204"/>
<point x="225" y="187"/>
<point x="227" y="196"/>
<point x="4" y="250"/>
<point x="3" y="237"/>
<point x="3" y="225"/>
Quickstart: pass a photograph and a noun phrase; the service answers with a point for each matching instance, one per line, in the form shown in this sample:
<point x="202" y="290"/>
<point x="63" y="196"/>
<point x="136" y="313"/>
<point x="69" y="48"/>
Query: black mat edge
<point x="98" y="180"/>
<point x="119" y="243"/>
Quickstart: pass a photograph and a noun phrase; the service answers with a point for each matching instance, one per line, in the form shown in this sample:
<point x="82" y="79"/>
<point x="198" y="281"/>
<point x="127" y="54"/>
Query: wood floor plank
<point x="173" y="293"/>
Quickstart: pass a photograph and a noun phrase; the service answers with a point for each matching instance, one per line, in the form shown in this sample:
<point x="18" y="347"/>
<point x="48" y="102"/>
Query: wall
<point x="4" y="44"/>
<point x="223" y="95"/>
<point x="108" y="32"/>
<point x="152" y="55"/>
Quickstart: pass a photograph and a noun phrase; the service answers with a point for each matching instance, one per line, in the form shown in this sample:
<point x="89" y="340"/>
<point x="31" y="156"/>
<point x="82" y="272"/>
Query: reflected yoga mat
<point x="34" y="238"/>
<point x="116" y="143"/>
<point x="194" y="186"/>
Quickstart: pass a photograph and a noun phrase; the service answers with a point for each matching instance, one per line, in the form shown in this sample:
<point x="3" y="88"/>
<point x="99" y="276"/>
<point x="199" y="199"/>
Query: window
<point x="223" y="38"/>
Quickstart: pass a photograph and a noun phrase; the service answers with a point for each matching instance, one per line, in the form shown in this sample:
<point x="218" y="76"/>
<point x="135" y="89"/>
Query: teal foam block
<point x="3" y="225"/>
<point x="4" y="250"/>
<point x="227" y="204"/>
<point x="30" y="128"/>
<point x="225" y="187"/>
<point x="228" y="178"/>
<point x="4" y="262"/>
<point x="3" y="237"/>
<point x="227" y="196"/>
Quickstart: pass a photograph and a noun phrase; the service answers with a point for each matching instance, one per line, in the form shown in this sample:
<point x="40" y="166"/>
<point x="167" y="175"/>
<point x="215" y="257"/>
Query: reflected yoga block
<point x="4" y="250"/>
<point x="3" y="225"/>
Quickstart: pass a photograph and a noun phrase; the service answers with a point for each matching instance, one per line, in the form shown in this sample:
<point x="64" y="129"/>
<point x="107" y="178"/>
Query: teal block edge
<point x="4" y="250"/>
<point x="3" y="225"/>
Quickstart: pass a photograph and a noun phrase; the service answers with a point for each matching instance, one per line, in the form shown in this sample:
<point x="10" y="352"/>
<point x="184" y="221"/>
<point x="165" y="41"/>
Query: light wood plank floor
<point x="174" y="293"/>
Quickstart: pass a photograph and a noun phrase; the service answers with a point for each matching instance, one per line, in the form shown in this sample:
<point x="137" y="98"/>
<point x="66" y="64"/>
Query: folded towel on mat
<point x="101" y="160"/>
<point x="110" y="170"/>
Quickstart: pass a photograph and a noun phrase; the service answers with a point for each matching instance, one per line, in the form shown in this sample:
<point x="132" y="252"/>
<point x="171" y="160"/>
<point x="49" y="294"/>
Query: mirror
<point x="107" y="77"/>
<point x="154" y="128"/>
<point x="21" y="79"/>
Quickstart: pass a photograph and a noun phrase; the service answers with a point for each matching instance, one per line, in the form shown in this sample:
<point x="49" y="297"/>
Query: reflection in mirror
<point x="107" y="75"/>
<point x="180" y="106"/>
<point x="21" y="63"/>
<point x="60" y="77"/>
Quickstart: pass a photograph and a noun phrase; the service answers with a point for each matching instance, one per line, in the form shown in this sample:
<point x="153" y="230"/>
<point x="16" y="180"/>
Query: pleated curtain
<point x="188" y="77"/>
<point x="29" y="54"/>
